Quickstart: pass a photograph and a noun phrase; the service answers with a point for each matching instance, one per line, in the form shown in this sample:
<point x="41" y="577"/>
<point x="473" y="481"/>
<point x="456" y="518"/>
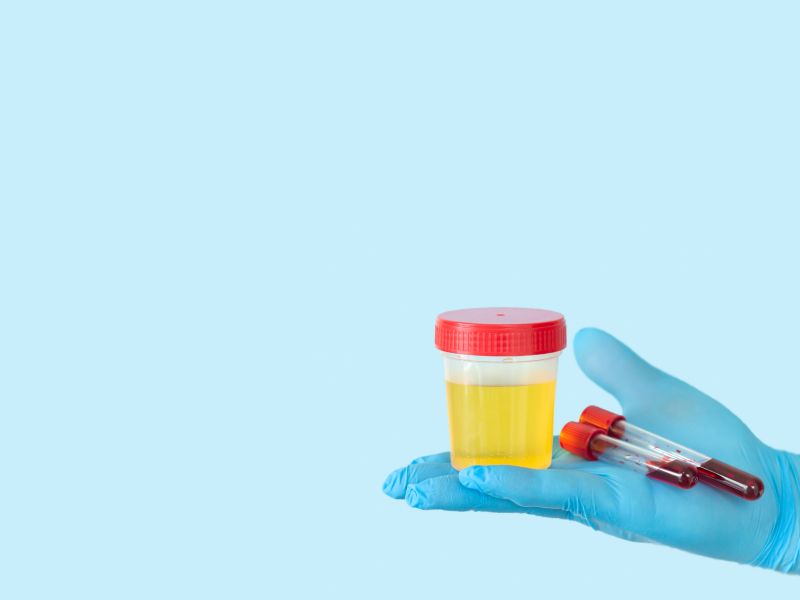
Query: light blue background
<point x="227" y="229"/>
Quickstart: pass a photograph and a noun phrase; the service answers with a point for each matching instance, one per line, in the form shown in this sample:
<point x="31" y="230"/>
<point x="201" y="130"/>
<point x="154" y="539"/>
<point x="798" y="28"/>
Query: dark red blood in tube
<point x="675" y="472"/>
<point x="731" y="479"/>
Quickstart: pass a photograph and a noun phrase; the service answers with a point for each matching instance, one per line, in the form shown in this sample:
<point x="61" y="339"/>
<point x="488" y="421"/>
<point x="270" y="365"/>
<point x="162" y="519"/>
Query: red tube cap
<point x="599" y="417"/>
<point x="501" y="331"/>
<point x="577" y="438"/>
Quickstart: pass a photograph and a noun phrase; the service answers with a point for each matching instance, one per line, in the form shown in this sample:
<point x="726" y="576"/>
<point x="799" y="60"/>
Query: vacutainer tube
<point x="593" y="444"/>
<point x="711" y="471"/>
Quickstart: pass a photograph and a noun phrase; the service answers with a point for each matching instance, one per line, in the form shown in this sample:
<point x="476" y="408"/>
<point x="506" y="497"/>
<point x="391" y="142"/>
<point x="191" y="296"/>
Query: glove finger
<point x="562" y="458"/>
<point x="559" y="454"/>
<point x="584" y="495"/>
<point x="435" y="465"/>
<point x="398" y="481"/>
<point x="446" y="493"/>
<point x="441" y="457"/>
<point x="618" y="369"/>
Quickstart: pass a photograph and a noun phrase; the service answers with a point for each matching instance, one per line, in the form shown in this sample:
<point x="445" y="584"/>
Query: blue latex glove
<point x="623" y="503"/>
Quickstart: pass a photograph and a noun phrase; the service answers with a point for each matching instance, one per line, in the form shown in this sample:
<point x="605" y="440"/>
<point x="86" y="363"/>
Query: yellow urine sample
<point x="501" y="425"/>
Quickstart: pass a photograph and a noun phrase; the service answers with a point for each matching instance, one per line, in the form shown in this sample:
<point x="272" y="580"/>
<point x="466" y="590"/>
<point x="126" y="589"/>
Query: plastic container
<point x="500" y="368"/>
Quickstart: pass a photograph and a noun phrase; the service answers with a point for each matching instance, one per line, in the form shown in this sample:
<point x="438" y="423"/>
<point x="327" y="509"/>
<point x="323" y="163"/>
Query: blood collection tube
<point x="592" y="444"/>
<point x="711" y="471"/>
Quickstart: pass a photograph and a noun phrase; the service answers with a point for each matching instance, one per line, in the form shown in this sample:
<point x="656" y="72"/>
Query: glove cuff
<point x="782" y="550"/>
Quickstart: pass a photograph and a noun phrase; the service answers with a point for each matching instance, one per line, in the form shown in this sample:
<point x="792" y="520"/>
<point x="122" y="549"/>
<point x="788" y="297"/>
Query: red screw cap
<point x="501" y="331"/>
<point x="577" y="438"/>
<point x="599" y="417"/>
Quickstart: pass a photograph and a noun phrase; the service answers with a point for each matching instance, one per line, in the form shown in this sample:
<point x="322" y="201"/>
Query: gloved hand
<point x="623" y="503"/>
